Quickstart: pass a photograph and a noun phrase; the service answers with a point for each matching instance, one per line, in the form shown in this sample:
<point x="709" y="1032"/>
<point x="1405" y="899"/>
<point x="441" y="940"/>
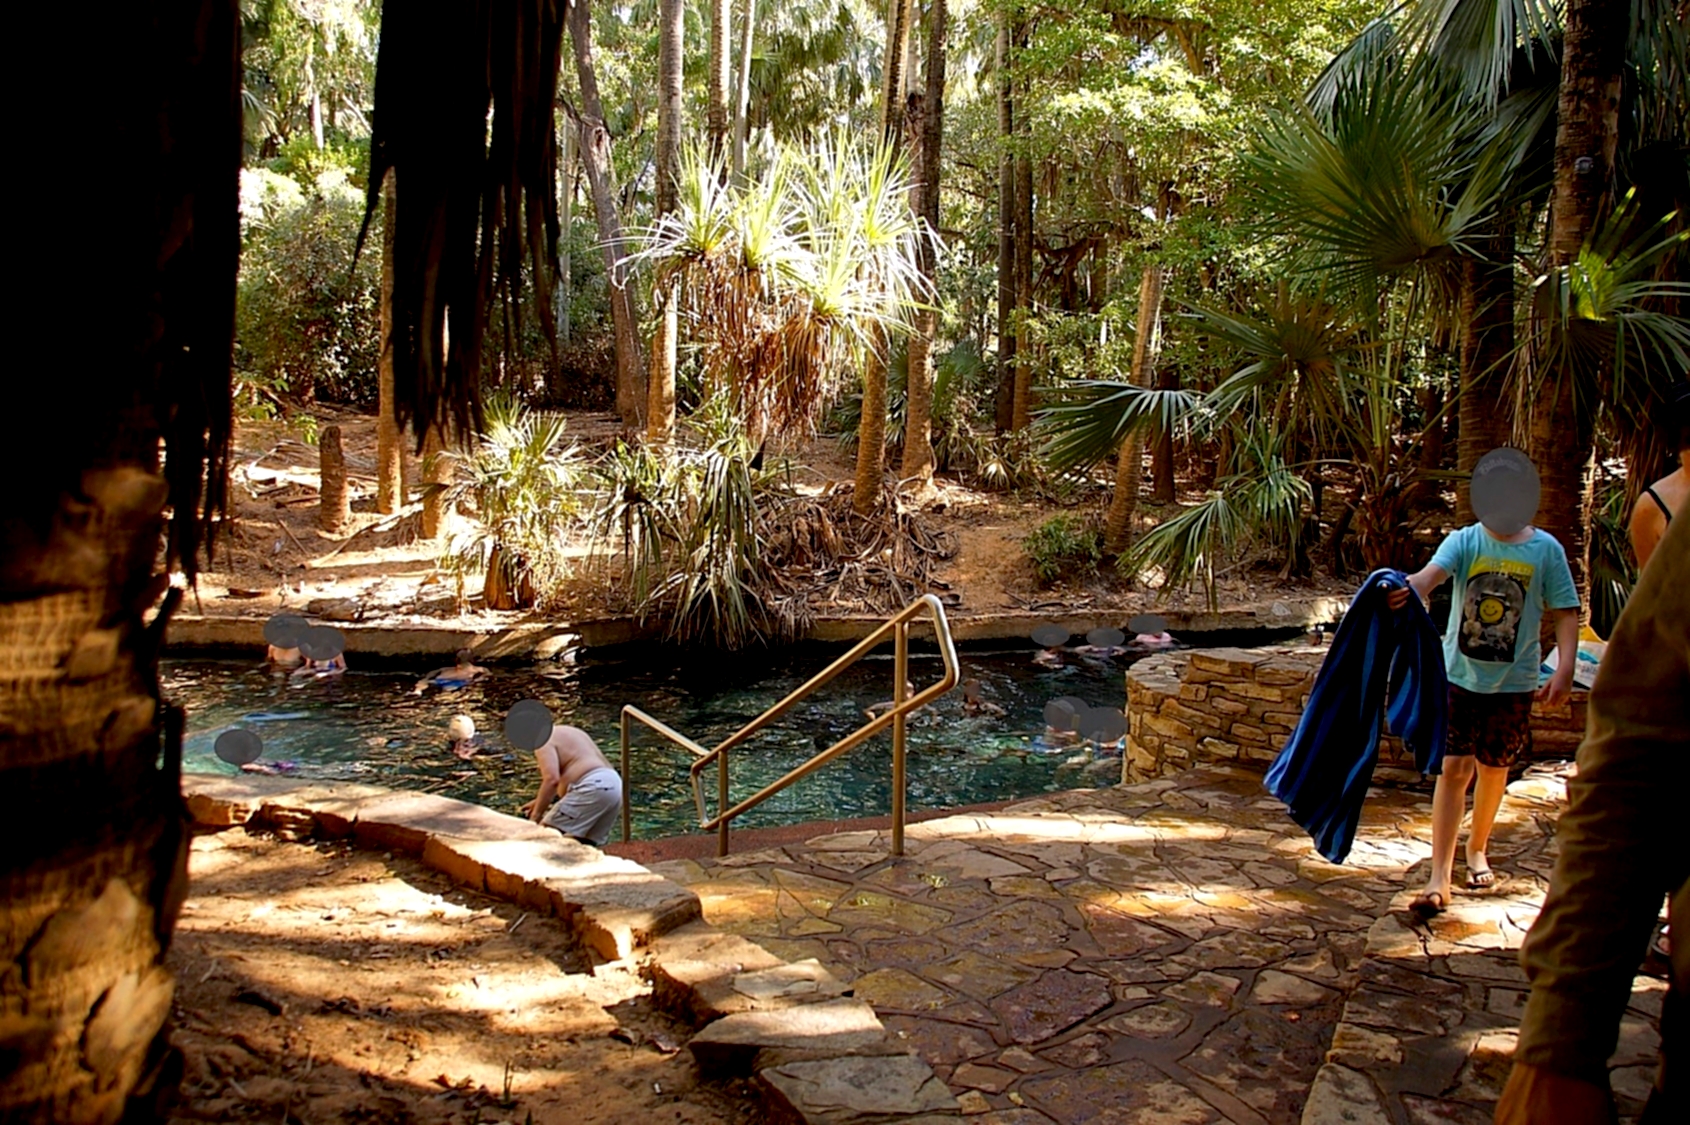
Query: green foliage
<point x="307" y="324"/>
<point x="680" y="534"/>
<point x="1064" y="546"/>
<point x="525" y="488"/>
<point x="1260" y="500"/>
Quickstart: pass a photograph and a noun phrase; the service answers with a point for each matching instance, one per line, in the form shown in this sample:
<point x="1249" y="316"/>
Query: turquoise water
<point x="367" y="726"/>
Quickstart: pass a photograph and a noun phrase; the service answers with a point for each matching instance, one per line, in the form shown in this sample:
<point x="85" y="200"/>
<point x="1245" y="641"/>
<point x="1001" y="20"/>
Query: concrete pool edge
<point x="542" y="640"/>
<point x="793" y="1026"/>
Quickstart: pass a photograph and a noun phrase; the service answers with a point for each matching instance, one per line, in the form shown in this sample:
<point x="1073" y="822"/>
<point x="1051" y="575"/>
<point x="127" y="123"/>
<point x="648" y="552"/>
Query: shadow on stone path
<point x="1168" y="952"/>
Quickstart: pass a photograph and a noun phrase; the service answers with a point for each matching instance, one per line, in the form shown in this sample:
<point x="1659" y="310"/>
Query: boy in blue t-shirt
<point x="1505" y="577"/>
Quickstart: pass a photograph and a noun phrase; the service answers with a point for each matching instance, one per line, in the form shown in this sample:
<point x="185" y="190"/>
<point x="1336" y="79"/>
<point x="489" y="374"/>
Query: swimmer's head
<point x="465" y="656"/>
<point x="971" y="689"/>
<point x="461" y="728"/>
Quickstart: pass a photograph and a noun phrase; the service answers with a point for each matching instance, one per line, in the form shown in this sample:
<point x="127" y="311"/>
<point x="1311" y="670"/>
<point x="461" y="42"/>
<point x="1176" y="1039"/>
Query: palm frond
<point x="1093" y="417"/>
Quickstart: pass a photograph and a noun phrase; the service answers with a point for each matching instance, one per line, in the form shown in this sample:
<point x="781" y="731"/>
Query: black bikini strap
<point x="1649" y="490"/>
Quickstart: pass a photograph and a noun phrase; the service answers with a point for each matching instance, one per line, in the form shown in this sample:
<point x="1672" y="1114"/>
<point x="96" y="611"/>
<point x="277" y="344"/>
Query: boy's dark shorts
<point x="1495" y="728"/>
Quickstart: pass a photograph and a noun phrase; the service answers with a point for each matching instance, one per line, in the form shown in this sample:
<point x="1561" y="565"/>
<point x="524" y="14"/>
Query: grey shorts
<point x="588" y="810"/>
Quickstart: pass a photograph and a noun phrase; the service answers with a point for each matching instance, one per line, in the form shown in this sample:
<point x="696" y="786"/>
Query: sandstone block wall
<point x="1241" y="705"/>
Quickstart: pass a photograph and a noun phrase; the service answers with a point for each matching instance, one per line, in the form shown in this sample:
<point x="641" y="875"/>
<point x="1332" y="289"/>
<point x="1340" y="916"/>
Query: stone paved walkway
<point x="1171" y="952"/>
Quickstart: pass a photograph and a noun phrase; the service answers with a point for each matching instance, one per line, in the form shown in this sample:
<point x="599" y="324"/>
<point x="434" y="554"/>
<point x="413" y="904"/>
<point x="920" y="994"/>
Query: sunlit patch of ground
<point x="323" y="983"/>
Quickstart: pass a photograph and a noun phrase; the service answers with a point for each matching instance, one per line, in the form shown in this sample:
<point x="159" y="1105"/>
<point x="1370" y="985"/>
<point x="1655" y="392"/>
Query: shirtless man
<point x="457" y="676"/>
<point x="572" y="764"/>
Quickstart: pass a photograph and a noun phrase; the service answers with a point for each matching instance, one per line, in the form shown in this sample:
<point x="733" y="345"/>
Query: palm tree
<point x="660" y="409"/>
<point x="85" y="594"/>
<point x="918" y="462"/>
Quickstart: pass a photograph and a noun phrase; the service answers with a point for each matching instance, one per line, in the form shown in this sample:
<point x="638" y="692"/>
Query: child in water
<point x="461" y="674"/>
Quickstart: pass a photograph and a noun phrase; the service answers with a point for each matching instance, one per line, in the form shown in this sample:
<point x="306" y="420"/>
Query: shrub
<point x="307" y="325"/>
<point x="1064" y="546"/>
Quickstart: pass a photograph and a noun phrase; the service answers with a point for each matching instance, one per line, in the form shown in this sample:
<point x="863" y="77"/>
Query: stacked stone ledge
<point x="1240" y="706"/>
<point x="820" y="1056"/>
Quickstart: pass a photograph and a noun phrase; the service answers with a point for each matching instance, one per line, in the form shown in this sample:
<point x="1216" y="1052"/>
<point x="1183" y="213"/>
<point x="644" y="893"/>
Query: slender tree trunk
<point x="871" y="430"/>
<point x="894" y="85"/>
<point x="601" y="178"/>
<point x="660" y="409"/>
<point x="562" y="298"/>
<point x="1006" y="233"/>
<point x="1487" y="342"/>
<point x="334" y="500"/>
<point x="1587" y="132"/>
<point x="436" y="474"/>
<point x="716" y="104"/>
<point x="742" y="103"/>
<point x="1024" y="366"/>
<point x="1129" y="469"/>
<point x="317" y="121"/>
<point x="390" y="443"/>
<point x="1162" y="450"/>
<point x="918" y="428"/>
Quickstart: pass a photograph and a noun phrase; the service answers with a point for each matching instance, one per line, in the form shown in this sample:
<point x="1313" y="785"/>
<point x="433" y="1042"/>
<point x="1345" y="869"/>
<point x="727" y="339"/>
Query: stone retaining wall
<point x="1241" y="705"/>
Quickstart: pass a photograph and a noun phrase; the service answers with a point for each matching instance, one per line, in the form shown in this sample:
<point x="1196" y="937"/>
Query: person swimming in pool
<point x="975" y="704"/>
<point x="282" y="657"/>
<point x="333" y="666"/>
<point x="461" y="733"/>
<point x="461" y="674"/>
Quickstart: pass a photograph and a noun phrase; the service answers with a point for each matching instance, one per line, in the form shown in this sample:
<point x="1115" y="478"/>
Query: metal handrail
<point x="899" y="627"/>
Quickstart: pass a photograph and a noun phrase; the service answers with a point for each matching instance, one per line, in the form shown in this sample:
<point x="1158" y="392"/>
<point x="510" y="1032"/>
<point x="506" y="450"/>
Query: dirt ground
<point x="276" y="557"/>
<point x="320" y="983"/>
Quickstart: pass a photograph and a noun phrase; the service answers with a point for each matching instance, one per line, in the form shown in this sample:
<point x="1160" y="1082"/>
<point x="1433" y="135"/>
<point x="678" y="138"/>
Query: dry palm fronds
<point x="475" y="199"/>
<point x="819" y="548"/>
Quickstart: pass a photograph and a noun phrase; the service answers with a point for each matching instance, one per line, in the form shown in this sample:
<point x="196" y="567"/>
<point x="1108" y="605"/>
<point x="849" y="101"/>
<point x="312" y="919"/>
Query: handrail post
<point x="900" y="689"/>
<point x="627" y="781"/>
<point x="722" y="805"/>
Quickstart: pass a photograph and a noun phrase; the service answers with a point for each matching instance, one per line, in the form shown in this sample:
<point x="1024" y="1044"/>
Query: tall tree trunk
<point x="93" y="833"/>
<point x="1023" y="254"/>
<point x="660" y="409"/>
<point x="894" y="83"/>
<point x="601" y="179"/>
<point x="1162" y="451"/>
<point x="1587" y="132"/>
<point x="1129" y="468"/>
<point x="871" y="429"/>
<point x="1487" y="342"/>
<point x="390" y="443"/>
<point x="918" y="413"/>
<point x="1005" y="401"/>
<point x="716" y="102"/>
<point x="334" y="499"/>
<point x="436" y="475"/>
<point x="568" y="146"/>
<point x="742" y="92"/>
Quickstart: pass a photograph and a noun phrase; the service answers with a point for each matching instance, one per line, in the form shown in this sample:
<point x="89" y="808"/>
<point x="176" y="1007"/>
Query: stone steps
<point x="819" y="1056"/>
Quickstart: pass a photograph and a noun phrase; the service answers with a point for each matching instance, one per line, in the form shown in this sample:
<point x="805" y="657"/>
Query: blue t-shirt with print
<point x="1501" y="591"/>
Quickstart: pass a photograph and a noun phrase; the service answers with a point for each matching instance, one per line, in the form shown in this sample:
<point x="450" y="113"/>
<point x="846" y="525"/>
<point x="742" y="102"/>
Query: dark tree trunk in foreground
<point x="601" y="179"/>
<point x="92" y="829"/>
<point x="334" y="499"/>
<point x="1587" y="132"/>
<point x="1162" y="449"/>
<point x="918" y="423"/>
<point x="1487" y="342"/>
<point x="390" y="443"/>
<point x="436" y="475"/>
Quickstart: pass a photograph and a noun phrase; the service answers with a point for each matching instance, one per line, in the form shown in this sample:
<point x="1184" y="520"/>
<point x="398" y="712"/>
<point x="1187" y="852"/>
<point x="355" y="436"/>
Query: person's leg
<point x="1487" y="801"/>
<point x="1449" y="802"/>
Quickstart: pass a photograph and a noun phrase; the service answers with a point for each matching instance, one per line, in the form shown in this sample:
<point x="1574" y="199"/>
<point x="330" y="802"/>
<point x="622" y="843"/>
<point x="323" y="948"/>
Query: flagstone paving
<point x="1170" y="952"/>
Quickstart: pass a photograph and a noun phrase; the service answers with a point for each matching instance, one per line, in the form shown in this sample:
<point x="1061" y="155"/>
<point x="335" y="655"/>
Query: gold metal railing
<point x="902" y="704"/>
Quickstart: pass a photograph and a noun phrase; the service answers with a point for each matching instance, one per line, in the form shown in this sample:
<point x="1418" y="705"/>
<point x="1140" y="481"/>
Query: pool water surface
<point x="367" y="726"/>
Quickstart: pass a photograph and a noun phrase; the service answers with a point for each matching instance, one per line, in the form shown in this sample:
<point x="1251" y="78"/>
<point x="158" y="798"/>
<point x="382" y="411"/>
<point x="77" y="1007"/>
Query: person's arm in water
<point x="1622" y="848"/>
<point x="546" y="757"/>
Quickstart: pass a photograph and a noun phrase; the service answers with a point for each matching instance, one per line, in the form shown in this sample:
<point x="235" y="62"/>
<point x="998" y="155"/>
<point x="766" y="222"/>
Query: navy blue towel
<point x="1325" y="769"/>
